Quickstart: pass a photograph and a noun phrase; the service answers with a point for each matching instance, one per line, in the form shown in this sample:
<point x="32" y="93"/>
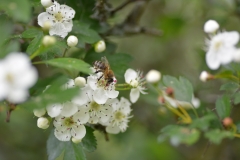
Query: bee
<point x="104" y="67"/>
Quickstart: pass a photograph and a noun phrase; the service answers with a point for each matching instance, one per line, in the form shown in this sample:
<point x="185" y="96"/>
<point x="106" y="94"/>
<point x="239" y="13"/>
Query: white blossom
<point x="153" y="76"/>
<point x="136" y="81"/>
<point x="100" y="46"/>
<point x="120" y="117"/>
<point x="221" y="49"/>
<point x="68" y="127"/>
<point x="196" y="102"/>
<point x="47" y="3"/>
<point x="43" y="123"/>
<point x="101" y="92"/>
<point x="17" y="75"/>
<point x="98" y="113"/>
<point x="211" y="26"/>
<point x="72" y="41"/>
<point x="60" y="17"/>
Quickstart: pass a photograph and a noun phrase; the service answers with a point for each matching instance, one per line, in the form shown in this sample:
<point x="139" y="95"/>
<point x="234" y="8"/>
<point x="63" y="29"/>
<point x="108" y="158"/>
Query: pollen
<point x="58" y="17"/>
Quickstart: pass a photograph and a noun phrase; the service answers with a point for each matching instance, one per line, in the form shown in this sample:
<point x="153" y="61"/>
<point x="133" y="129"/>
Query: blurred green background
<point x="178" y="52"/>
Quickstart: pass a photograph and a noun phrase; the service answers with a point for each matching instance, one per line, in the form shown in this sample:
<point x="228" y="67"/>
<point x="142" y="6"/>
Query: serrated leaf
<point x="69" y="64"/>
<point x="54" y="146"/>
<point x="74" y="152"/>
<point x="31" y="33"/>
<point x="18" y="10"/>
<point x="216" y="135"/>
<point x="237" y="98"/>
<point x="89" y="142"/>
<point x="183" y="89"/>
<point x="223" y="106"/>
<point x="35" y="44"/>
<point x="229" y="86"/>
<point x="203" y="123"/>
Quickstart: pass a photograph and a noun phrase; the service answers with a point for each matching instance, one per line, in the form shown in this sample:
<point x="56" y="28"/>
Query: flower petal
<point x="82" y="116"/>
<point x="68" y="25"/>
<point x="125" y="106"/>
<point x="129" y="75"/>
<point x="67" y="12"/>
<point x="54" y="110"/>
<point x="93" y="119"/>
<point x="78" y="132"/>
<point x="112" y="93"/>
<point x="212" y="61"/>
<point x="53" y="9"/>
<point x="113" y="129"/>
<point x="106" y="114"/>
<point x="134" y="95"/>
<point x="69" y="109"/>
<point x="92" y="82"/>
<point x="99" y="96"/>
<point x="62" y="135"/>
<point x="45" y="18"/>
<point x="59" y="30"/>
<point x="17" y="95"/>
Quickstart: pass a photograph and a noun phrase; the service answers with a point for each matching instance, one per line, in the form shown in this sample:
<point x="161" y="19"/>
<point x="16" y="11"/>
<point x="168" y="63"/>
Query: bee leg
<point x="100" y="77"/>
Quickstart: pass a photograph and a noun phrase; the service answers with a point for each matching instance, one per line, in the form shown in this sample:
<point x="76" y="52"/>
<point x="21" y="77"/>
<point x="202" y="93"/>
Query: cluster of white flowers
<point x="17" y="75"/>
<point x="57" y="18"/>
<point x="221" y="47"/>
<point x="96" y="103"/>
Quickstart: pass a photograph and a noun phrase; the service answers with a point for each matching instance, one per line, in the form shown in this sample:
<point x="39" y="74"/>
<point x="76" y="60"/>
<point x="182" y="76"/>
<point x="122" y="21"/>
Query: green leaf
<point x="89" y="142"/>
<point x="35" y="44"/>
<point x="18" y="10"/>
<point x="179" y="135"/>
<point x="237" y="98"/>
<point x="203" y="123"/>
<point x="31" y="33"/>
<point x="63" y="150"/>
<point x="74" y="152"/>
<point x="230" y="86"/>
<point x="54" y="94"/>
<point x="216" y="135"/>
<point x="223" y="106"/>
<point x="84" y="33"/>
<point x="183" y="89"/>
<point x="54" y="146"/>
<point x="69" y="64"/>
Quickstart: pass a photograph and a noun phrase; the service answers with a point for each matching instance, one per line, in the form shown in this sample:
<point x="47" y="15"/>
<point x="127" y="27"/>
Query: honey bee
<point x="104" y="67"/>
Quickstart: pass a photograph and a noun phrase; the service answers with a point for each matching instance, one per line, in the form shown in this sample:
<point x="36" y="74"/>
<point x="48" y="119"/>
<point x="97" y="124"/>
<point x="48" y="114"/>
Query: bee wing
<point x="104" y="60"/>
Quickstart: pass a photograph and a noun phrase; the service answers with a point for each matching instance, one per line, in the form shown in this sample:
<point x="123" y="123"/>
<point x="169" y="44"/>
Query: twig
<point x="11" y="108"/>
<point x="124" y="4"/>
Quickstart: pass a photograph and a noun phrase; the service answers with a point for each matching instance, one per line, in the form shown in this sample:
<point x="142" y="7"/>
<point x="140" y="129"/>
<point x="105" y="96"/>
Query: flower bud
<point x="39" y="112"/>
<point x="100" y="46"/>
<point x="43" y="123"/>
<point x="169" y="91"/>
<point x="227" y="122"/>
<point x="161" y="100"/>
<point x="47" y="3"/>
<point x="205" y="76"/>
<point x="72" y="41"/>
<point x="211" y="26"/>
<point x="74" y="140"/>
<point x="153" y="76"/>
<point x="48" y="40"/>
<point x="80" y="81"/>
<point x="46" y="25"/>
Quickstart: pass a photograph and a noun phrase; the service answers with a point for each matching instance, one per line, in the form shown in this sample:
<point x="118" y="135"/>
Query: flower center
<point x="134" y="83"/>
<point x="9" y="78"/>
<point x="58" y="16"/>
<point x="119" y="115"/>
<point x="94" y="106"/>
<point x="68" y="122"/>
<point x="217" y="45"/>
